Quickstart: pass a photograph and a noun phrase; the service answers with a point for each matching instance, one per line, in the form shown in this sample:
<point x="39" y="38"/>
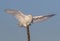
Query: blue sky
<point x="46" y="31"/>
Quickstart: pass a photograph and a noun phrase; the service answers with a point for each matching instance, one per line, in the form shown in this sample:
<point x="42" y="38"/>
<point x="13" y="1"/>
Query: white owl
<point x="26" y="20"/>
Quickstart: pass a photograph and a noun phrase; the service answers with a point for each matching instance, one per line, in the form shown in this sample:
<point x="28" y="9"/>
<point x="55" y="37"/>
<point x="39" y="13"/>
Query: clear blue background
<point x="45" y="31"/>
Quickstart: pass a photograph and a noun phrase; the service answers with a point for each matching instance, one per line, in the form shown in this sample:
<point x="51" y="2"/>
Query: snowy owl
<point x="26" y="20"/>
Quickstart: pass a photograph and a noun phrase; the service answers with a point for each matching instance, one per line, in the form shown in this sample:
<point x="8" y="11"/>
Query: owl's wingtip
<point x="51" y="15"/>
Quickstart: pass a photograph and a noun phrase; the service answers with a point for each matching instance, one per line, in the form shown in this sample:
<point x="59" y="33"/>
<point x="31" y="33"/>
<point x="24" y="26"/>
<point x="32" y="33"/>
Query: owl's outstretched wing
<point x="13" y="11"/>
<point x="41" y="18"/>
